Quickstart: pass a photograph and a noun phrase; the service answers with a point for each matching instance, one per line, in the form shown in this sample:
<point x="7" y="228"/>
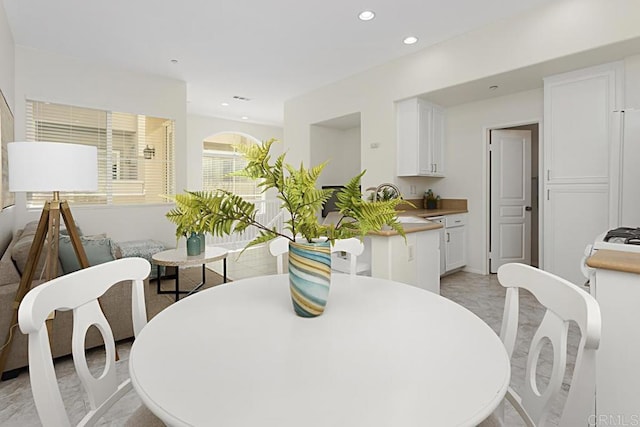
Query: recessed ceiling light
<point x="410" y="40"/>
<point x="366" y="15"/>
<point x="244" y="118"/>
<point x="225" y="104"/>
<point x="494" y="87"/>
<point x="174" y="61"/>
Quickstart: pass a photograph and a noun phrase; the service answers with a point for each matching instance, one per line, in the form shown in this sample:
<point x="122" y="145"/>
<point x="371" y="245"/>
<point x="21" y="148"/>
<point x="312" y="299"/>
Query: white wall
<point x="50" y="77"/>
<point x="200" y="127"/>
<point x="559" y="29"/>
<point x="7" y="66"/>
<point x="467" y="166"/>
<point x="341" y="148"/>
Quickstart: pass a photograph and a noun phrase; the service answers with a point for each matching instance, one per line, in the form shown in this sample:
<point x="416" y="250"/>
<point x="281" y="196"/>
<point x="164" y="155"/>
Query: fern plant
<point x="221" y="212"/>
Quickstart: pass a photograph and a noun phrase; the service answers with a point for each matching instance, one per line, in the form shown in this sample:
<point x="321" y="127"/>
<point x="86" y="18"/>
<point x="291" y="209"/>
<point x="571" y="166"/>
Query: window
<point x="219" y="159"/>
<point x="127" y="173"/>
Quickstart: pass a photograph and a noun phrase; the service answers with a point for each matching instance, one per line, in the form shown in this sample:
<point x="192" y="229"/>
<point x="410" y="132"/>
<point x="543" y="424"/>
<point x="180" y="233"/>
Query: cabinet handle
<point x="448" y="240"/>
<point x="548" y="174"/>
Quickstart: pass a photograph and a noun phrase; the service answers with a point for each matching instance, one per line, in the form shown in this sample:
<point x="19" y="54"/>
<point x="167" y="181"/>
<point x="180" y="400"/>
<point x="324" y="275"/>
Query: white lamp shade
<point x="52" y="166"/>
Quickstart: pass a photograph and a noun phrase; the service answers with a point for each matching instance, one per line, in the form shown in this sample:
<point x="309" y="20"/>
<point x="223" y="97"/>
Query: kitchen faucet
<point x="395" y="191"/>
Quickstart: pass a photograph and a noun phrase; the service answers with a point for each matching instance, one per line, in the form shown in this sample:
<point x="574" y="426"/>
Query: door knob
<point x="527" y="208"/>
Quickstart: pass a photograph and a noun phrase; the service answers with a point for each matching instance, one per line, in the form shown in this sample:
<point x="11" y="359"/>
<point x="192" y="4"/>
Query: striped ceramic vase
<point x="309" y="277"/>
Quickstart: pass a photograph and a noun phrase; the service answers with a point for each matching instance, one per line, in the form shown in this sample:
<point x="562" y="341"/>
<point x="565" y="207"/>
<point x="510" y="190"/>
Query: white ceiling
<point x="268" y="51"/>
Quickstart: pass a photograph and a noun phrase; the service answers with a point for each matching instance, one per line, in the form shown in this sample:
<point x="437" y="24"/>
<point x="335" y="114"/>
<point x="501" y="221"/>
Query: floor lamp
<point x="49" y="167"/>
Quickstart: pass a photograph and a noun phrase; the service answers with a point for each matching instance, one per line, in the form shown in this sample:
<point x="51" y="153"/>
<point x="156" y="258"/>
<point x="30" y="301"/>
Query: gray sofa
<point x="116" y="304"/>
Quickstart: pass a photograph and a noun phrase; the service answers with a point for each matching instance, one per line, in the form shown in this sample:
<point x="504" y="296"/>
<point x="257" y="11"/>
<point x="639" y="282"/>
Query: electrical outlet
<point x="412" y="189"/>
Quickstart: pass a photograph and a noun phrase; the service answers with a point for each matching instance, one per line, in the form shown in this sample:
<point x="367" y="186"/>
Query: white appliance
<point x="614" y="244"/>
<point x="441" y="220"/>
<point x="625" y="174"/>
<point x="617" y="291"/>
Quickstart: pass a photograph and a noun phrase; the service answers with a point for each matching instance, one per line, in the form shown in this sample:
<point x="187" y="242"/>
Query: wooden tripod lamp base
<point x="48" y="167"/>
<point x="48" y="226"/>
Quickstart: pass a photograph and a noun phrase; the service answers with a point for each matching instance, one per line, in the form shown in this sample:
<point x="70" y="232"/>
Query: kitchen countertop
<point x="615" y="260"/>
<point x="424" y="213"/>
<point x="411" y="227"/>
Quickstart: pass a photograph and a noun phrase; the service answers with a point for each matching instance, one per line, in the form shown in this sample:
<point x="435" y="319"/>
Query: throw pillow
<point x="65" y="232"/>
<point x="20" y="254"/>
<point x="97" y="248"/>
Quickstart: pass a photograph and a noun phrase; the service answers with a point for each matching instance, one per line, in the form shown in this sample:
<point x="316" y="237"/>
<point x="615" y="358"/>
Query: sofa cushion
<point x="20" y="252"/>
<point x="20" y="249"/>
<point x="139" y="248"/>
<point x="97" y="248"/>
<point x="8" y="272"/>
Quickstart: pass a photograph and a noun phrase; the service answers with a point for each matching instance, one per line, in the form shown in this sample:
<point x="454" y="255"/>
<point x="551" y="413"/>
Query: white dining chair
<point x="564" y="303"/>
<point x="278" y="247"/>
<point x="352" y="248"/>
<point x="79" y="291"/>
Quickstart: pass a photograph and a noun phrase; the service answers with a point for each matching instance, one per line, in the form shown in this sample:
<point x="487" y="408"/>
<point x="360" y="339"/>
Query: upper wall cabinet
<point x="577" y="108"/>
<point x="420" y="138"/>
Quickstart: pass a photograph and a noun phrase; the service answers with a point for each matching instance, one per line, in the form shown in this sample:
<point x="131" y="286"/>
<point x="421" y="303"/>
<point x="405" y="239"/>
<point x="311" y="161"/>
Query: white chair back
<point x="278" y="247"/>
<point x="79" y="291"/>
<point x="564" y="302"/>
<point x="353" y="246"/>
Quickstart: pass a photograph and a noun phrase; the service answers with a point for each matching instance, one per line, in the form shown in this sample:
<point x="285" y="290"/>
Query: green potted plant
<point x="189" y="227"/>
<point x="221" y="213"/>
<point x="430" y="200"/>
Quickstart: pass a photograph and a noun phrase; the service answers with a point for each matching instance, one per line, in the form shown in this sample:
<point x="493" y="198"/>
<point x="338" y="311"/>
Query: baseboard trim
<point x="473" y="270"/>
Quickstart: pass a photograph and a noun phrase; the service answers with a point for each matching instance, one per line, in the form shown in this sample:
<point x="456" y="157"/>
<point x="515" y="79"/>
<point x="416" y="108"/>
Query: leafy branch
<point x="221" y="212"/>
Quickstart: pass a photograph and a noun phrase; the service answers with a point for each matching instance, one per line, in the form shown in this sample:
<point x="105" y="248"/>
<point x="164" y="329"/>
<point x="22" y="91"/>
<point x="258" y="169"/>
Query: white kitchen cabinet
<point x="414" y="261"/>
<point x="455" y="241"/>
<point x="589" y="207"/>
<point x="618" y="355"/>
<point x="578" y="107"/>
<point x="420" y="133"/>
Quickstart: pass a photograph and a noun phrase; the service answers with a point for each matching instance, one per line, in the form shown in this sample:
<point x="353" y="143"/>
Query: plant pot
<point x="309" y="277"/>
<point x="203" y="242"/>
<point x="193" y="245"/>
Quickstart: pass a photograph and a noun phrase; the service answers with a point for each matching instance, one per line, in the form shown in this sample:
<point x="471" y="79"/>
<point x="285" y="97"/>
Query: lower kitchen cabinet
<point x="414" y="261"/>
<point x="617" y="397"/>
<point x="455" y="242"/>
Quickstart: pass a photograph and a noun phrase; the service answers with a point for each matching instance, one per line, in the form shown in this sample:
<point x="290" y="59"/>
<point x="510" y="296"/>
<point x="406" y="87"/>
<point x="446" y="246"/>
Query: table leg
<point x="158" y="278"/>
<point x="177" y="283"/>
<point x="204" y="278"/>
<point x="176" y="292"/>
<point x="224" y="270"/>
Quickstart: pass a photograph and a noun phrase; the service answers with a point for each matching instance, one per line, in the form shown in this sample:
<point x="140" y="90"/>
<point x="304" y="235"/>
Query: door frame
<point x="486" y="130"/>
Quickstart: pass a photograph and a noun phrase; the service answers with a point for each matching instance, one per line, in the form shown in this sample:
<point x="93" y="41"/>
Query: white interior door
<point x="510" y="197"/>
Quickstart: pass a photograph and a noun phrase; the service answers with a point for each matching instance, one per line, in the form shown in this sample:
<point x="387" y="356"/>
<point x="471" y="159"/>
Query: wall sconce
<point x="149" y="152"/>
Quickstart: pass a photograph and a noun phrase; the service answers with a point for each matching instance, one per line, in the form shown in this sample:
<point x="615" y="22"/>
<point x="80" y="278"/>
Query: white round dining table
<point x="382" y="354"/>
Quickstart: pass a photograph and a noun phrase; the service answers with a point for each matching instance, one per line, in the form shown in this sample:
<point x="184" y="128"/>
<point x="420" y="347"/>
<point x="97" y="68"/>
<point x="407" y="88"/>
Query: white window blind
<point x="219" y="160"/>
<point x="135" y="152"/>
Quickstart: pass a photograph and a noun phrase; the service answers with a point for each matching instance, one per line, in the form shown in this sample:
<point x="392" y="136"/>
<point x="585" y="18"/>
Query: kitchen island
<point x="414" y="261"/>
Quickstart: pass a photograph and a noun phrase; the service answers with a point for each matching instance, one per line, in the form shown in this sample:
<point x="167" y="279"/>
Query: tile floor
<point x="480" y="294"/>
